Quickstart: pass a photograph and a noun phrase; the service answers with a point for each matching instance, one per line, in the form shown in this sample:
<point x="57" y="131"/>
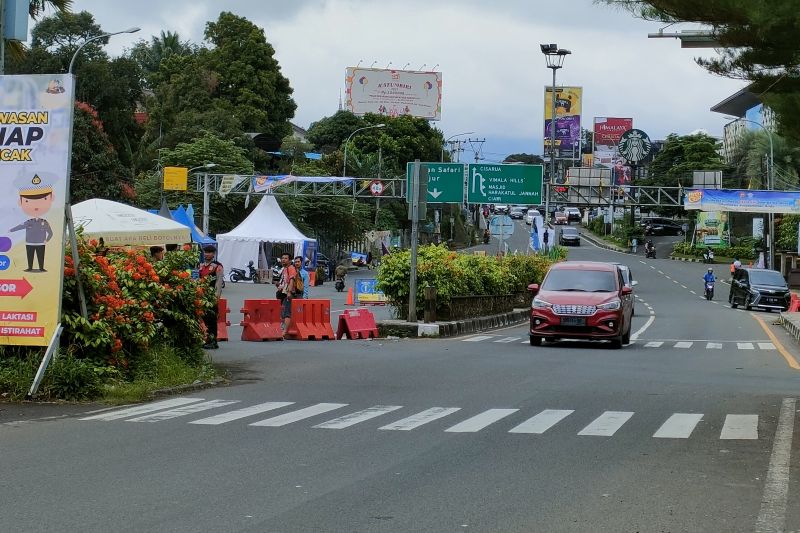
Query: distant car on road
<point x="501" y="209"/>
<point x="759" y="287"/>
<point x="560" y="217"/>
<point x="582" y="300"/>
<point x="530" y="215"/>
<point x="665" y="228"/>
<point x="569" y="237"/>
<point x="517" y="213"/>
<point x="573" y="214"/>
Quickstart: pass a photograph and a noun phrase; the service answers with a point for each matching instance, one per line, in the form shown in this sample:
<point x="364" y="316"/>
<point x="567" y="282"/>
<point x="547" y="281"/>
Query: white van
<point x="530" y="215"/>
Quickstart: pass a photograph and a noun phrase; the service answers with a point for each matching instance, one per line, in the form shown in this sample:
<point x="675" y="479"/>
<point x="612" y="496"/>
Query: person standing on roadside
<point x="286" y="287"/>
<point x="212" y="270"/>
<point x="303" y="273"/>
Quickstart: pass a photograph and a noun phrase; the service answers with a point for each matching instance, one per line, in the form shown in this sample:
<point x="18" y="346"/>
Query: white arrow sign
<point x="436" y="193"/>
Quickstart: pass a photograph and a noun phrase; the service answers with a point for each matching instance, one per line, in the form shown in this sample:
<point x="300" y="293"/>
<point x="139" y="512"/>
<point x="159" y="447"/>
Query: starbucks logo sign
<point x="635" y="146"/>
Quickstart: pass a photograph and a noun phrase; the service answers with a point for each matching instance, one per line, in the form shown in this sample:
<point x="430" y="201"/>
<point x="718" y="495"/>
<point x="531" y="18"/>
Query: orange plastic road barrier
<point x="222" y="319"/>
<point x="311" y="319"/>
<point x="357" y="324"/>
<point x="262" y="320"/>
<point x="794" y="305"/>
<point x="349" y="296"/>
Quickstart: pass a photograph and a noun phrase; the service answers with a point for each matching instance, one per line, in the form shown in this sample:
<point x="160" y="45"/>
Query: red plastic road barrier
<point x="222" y="319"/>
<point x="357" y="324"/>
<point x="262" y="320"/>
<point x="311" y="319"/>
<point x="794" y="305"/>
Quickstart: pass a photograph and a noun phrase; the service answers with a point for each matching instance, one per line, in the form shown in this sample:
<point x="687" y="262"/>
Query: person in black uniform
<point x="35" y="200"/>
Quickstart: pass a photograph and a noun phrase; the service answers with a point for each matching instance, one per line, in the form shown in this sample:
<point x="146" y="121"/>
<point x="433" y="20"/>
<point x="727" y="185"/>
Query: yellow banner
<point x="176" y="178"/>
<point x="35" y="130"/>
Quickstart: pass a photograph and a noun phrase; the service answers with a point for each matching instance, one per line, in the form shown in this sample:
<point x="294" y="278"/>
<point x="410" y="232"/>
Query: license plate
<point x="572" y="321"/>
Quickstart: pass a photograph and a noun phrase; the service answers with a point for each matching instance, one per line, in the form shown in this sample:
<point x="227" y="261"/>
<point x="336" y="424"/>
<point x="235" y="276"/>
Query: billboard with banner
<point x="744" y="201"/>
<point x="607" y="133"/>
<point x="568" y="121"/>
<point x="712" y="228"/>
<point x="35" y="141"/>
<point x="394" y="92"/>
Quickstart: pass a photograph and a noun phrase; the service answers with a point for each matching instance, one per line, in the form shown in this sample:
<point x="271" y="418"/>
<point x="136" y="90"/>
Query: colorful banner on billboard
<point x="35" y="135"/>
<point x="712" y="228"/>
<point x="568" y="120"/>
<point x="394" y="92"/>
<point x="744" y="201"/>
<point x="607" y="133"/>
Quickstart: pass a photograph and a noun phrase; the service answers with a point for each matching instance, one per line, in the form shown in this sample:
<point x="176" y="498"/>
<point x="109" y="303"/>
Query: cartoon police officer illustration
<point x="35" y="199"/>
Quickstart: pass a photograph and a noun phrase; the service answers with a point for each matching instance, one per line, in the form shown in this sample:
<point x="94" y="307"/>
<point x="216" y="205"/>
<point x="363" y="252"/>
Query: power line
<point x="476" y="151"/>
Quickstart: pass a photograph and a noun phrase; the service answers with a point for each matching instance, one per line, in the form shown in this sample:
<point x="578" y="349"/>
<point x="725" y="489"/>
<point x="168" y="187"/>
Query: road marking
<point x="543" y="421"/>
<point x="772" y="516"/>
<point x="478" y="422"/>
<point x="744" y="345"/>
<point x="507" y="339"/>
<point x="684" y="286"/>
<point x="714" y="346"/>
<point x="766" y="346"/>
<point x="669" y="278"/>
<point x="692" y="292"/>
<point x="683" y="345"/>
<point x="606" y="424"/>
<point x="675" y="281"/>
<point x="790" y="360"/>
<point x="740" y="427"/>
<point x="652" y="312"/>
<point x="642" y="262"/>
<point x="300" y="414"/>
<point x="477" y="338"/>
<point x="415" y="421"/>
<point x="359" y="416"/>
<point x="642" y="329"/>
<point x="183" y="411"/>
<point x="660" y="272"/>
<point x="141" y="409"/>
<point x="241" y="413"/>
<point x="653" y="344"/>
<point x="678" y="426"/>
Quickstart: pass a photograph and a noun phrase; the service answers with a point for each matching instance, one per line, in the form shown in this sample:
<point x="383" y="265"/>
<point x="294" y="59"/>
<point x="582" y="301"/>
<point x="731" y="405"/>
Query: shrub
<point x="456" y="274"/>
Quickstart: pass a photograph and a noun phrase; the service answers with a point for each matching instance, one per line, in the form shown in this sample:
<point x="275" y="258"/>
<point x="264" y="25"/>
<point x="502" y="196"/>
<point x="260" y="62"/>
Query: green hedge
<point x="742" y="251"/>
<point x="455" y="274"/>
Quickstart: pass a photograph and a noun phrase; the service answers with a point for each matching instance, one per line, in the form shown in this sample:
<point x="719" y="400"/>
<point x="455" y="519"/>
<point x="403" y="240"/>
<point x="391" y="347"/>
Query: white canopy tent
<point x="121" y="224"/>
<point x="266" y="224"/>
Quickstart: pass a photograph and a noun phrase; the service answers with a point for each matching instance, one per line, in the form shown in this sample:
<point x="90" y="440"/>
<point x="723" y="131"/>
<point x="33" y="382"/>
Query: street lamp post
<point x="453" y="137"/>
<point x="344" y="166"/>
<point x="70" y="221"/>
<point x="770" y="186"/>
<point x="554" y="56"/>
<point x="206" y="202"/>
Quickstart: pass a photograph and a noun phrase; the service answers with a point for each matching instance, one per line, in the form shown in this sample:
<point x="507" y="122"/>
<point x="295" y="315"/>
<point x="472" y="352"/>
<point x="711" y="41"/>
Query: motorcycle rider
<point x="708" y="255"/>
<point x="486" y="236"/>
<point x="709" y="277"/>
<point x="649" y="247"/>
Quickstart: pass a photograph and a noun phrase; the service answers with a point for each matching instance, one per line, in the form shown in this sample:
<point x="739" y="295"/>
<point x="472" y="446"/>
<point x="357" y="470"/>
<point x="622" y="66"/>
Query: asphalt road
<point x="690" y="428"/>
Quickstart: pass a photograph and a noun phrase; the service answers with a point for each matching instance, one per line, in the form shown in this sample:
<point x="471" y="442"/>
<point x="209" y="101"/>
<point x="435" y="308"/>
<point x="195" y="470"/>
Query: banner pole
<point x="48" y="355"/>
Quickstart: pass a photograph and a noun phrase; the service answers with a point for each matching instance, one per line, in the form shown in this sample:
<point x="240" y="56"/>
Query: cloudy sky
<point x="488" y="52"/>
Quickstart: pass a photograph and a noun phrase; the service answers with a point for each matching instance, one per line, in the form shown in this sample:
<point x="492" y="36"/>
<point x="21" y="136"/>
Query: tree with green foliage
<point x="328" y="133"/>
<point x="757" y="42"/>
<point x="149" y="54"/>
<point x="681" y="155"/>
<point x="15" y="50"/>
<point x="527" y="159"/>
<point x="750" y="161"/>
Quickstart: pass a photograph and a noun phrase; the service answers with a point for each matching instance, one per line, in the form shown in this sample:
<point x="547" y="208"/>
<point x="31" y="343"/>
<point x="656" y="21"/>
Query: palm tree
<point x="36" y="8"/>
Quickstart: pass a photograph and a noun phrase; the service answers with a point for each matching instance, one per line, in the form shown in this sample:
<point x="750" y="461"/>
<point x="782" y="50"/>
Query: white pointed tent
<point x="266" y="224"/>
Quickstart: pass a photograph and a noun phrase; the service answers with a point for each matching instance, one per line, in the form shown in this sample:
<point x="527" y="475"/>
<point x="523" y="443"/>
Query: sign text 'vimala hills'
<point x="505" y="184"/>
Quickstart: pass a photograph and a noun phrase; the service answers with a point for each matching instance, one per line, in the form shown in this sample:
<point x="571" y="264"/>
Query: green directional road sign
<point x="504" y="184"/>
<point x="445" y="182"/>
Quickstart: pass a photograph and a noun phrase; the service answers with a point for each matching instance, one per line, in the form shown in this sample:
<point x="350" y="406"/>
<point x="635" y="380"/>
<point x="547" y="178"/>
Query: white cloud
<point x="493" y="71"/>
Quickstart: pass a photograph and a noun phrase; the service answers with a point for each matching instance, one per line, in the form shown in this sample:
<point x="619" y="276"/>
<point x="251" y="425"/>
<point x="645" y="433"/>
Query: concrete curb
<point x="401" y="328"/>
<point x="601" y="243"/>
<point x="687" y="260"/>
<point x="186" y="387"/>
<point x="791" y="323"/>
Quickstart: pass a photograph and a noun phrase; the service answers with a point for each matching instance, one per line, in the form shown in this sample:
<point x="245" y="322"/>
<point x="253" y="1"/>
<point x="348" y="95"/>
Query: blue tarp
<point x="179" y="215"/>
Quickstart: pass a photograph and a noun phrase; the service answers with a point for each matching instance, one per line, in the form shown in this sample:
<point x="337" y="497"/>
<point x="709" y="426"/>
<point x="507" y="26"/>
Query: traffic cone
<point x="350" y="296"/>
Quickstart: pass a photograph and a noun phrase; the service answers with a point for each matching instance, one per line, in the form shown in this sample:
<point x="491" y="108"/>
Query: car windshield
<point x="579" y="280"/>
<point x="569" y="231"/>
<point x="766" y="277"/>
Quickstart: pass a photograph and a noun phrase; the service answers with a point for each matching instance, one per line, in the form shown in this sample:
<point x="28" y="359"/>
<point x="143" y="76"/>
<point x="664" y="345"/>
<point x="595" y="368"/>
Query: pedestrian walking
<point x="287" y="289"/>
<point x="213" y="271"/>
<point x="303" y="273"/>
<point x="634" y="245"/>
<point x="546" y="239"/>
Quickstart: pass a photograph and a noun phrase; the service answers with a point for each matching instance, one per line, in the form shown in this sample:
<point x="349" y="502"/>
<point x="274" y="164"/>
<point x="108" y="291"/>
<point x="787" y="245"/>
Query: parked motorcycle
<point x="709" y="290"/>
<point x="708" y="256"/>
<point x="238" y="274"/>
<point x="276" y="271"/>
<point x="339" y="285"/>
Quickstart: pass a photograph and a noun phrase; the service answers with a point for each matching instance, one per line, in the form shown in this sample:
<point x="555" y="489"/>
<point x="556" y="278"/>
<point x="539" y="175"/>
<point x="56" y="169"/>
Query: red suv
<point x="582" y="300"/>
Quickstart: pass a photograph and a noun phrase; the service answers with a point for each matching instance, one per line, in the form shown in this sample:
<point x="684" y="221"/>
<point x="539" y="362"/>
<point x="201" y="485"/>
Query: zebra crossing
<point x="509" y="420"/>
<point x="683" y="345"/>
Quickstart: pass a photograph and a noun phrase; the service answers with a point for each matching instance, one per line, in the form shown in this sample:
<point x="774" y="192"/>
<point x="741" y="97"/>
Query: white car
<point x="573" y="214"/>
<point x="530" y="215"/>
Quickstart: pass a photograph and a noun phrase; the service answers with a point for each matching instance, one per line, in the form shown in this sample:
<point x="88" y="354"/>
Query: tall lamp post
<point x="206" y="202"/>
<point x="70" y="222"/>
<point x="554" y="56"/>
<point x="770" y="186"/>
<point x="453" y="137"/>
<point x="344" y="166"/>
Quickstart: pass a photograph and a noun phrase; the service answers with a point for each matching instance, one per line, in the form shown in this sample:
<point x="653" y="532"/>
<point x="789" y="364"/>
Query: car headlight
<point x="538" y="303"/>
<point x="611" y="306"/>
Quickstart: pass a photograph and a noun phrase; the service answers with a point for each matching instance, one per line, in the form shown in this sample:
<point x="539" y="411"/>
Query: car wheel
<point x="626" y="338"/>
<point x="680" y="232"/>
<point x="536" y="341"/>
<point x="616" y="344"/>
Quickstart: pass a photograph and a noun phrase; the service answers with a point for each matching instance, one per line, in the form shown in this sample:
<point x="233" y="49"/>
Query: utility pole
<point x="477" y="152"/>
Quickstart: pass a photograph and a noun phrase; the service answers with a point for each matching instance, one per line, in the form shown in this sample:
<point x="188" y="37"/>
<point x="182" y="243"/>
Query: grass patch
<point x="718" y="260"/>
<point x="161" y="368"/>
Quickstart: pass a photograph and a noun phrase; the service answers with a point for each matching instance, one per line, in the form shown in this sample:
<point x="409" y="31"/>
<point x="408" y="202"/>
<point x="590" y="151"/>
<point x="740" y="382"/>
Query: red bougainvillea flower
<point x="187" y="247"/>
